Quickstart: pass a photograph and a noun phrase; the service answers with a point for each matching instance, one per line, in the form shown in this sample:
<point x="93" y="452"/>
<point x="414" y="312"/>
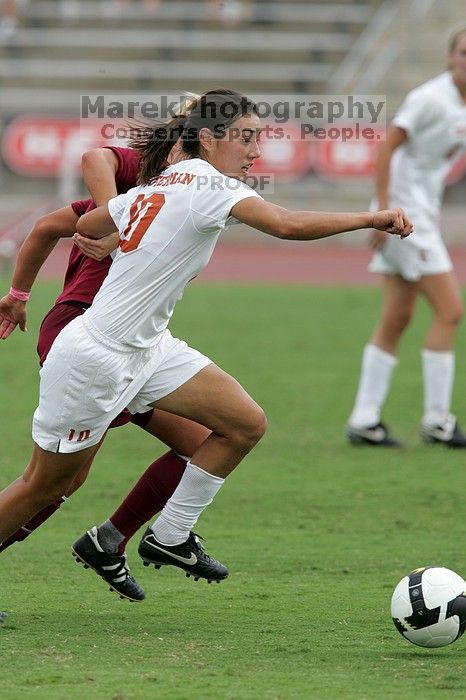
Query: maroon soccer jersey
<point x="84" y="276"/>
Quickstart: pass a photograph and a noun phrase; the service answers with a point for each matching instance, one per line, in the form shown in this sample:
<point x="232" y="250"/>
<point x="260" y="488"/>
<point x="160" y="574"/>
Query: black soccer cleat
<point x="189" y="556"/>
<point x="111" y="567"/>
<point x="3" y="616"/>
<point x="448" y="433"/>
<point x="375" y="435"/>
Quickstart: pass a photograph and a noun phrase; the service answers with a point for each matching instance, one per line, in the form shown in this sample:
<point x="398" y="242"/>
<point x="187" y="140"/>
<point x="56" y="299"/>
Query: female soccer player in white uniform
<point x="120" y="353"/>
<point x="427" y="134"/>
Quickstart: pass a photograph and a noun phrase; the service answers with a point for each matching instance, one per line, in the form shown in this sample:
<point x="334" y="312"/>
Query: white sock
<point x="374" y="383"/>
<point x="438" y="369"/>
<point x="193" y="494"/>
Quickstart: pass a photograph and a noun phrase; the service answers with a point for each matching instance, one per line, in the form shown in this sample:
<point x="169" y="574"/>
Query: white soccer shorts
<point x="87" y="380"/>
<point x="412" y="260"/>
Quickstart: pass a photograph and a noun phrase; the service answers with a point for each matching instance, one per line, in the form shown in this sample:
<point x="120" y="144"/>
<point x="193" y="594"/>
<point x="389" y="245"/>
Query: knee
<point x="258" y="425"/>
<point x="252" y="428"/>
<point x="454" y="314"/>
<point x="397" y="323"/>
<point x="45" y="492"/>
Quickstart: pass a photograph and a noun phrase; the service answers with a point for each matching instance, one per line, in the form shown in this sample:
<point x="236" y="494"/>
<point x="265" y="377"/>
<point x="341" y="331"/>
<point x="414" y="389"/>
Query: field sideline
<point x="275" y="262"/>
<point x="315" y="534"/>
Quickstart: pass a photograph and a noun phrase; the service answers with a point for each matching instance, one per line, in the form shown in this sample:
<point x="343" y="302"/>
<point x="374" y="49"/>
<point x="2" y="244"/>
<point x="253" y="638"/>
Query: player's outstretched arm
<point x="33" y="253"/>
<point x="311" y="225"/>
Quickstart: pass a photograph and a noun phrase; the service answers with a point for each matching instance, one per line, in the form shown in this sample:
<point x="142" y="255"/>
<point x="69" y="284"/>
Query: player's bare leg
<point x="45" y="513"/>
<point x="181" y="435"/>
<point x="439" y="425"/>
<point x="47" y="477"/>
<point x="444" y="296"/>
<point x="216" y="400"/>
<point x="399" y="299"/>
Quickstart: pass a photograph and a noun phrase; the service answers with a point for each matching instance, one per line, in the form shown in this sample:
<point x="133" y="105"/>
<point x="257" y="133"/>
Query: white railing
<point x="343" y="78"/>
<point x="195" y="11"/>
<point x="378" y="47"/>
<point x="276" y="39"/>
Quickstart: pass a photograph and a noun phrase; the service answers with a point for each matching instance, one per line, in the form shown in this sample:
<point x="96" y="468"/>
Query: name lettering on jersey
<point x="174" y="179"/>
<point x="80" y="437"/>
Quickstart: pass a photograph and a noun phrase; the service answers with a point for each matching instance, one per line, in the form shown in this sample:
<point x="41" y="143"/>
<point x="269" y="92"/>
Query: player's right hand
<point x="12" y="313"/>
<point x="393" y="221"/>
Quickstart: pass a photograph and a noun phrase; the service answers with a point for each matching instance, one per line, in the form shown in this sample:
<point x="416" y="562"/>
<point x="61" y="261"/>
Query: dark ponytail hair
<point x="154" y="145"/>
<point x="215" y="110"/>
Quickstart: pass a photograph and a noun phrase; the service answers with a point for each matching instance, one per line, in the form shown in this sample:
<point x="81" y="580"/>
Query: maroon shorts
<point x="57" y="318"/>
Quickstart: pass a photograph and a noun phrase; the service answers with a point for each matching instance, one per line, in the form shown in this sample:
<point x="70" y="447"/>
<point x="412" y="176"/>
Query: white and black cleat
<point x="113" y="568"/>
<point x="189" y="556"/>
<point x="447" y="433"/>
<point x="375" y="435"/>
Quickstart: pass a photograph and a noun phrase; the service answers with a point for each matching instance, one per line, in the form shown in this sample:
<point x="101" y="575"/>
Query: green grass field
<point x="315" y="533"/>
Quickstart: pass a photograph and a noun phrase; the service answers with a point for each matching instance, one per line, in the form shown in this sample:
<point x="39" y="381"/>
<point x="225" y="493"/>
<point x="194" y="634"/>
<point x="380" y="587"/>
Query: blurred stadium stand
<point x="51" y="51"/>
<point x="63" y="48"/>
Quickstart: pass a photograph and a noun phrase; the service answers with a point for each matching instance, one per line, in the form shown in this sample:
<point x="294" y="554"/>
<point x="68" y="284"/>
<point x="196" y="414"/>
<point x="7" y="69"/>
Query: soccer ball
<point x="429" y="606"/>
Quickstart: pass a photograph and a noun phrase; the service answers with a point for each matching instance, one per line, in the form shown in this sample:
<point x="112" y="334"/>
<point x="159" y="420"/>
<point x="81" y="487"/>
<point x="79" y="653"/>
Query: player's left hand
<point x="12" y="314"/>
<point x="393" y="221"/>
<point x="97" y="248"/>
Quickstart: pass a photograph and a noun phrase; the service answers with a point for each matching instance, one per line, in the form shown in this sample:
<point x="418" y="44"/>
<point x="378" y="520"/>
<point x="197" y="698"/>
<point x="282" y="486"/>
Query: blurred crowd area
<point x="54" y="51"/>
<point x="228" y="13"/>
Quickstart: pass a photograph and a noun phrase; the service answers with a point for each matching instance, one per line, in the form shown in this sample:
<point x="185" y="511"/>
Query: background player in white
<point x="427" y="134"/>
<point x="119" y="353"/>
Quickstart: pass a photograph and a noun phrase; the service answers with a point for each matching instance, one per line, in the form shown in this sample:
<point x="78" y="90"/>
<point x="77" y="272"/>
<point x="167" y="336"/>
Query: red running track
<point x="293" y="263"/>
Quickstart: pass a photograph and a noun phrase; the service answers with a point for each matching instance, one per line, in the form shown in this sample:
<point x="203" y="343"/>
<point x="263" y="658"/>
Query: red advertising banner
<point x="41" y="146"/>
<point x="35" y="146"/>
<point x="285" y="155"/>
<point x="348" y="159"/>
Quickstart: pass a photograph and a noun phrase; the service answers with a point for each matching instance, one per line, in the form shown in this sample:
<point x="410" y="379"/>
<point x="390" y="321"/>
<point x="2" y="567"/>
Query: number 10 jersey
<point x="168" y="231"/>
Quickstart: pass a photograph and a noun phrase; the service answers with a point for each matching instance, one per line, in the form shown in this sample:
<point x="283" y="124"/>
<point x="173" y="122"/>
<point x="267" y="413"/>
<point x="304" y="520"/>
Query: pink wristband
<point x="18" y="294"/>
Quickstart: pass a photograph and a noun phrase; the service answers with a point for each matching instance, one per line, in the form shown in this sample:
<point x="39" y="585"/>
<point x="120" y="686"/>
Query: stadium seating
<point x="63" y="48"/>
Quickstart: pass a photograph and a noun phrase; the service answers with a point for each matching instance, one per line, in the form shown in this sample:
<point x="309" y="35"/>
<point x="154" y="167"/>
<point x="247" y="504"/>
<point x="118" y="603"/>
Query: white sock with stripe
<point x="193" y="494"/>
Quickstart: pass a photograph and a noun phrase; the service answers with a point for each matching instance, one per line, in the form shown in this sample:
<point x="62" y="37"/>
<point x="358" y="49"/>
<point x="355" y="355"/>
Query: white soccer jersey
<point x="168" y="232"/>
<point x="434" y="117"/>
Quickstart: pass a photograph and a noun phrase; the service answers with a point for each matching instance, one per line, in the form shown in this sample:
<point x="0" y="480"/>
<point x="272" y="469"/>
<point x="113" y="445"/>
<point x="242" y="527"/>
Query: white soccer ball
<point x="429" y="606"/>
